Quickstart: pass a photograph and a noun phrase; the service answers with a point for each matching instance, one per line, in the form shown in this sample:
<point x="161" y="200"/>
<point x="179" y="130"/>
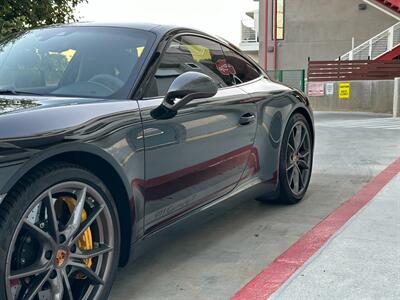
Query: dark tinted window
<point x="189" y="53"/>
<point x="240" y="70"/>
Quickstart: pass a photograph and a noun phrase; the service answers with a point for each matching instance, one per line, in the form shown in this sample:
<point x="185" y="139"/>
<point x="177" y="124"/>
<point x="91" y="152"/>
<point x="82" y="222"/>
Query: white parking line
<point x="378" y="123"/>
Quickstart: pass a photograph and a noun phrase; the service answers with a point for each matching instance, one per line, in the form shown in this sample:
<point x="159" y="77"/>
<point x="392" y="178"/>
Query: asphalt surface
<point x="214" y="254"/>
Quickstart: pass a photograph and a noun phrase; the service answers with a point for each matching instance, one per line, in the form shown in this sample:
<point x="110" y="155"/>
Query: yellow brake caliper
<point x="85" y="242"/>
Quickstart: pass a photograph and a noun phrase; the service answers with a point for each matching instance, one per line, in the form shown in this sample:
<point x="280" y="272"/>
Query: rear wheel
<point x="60" y="236"/>
<point x="295" y="163"/>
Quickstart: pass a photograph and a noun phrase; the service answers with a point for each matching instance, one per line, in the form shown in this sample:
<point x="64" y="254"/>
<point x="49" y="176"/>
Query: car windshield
<point x="73" y="61"/>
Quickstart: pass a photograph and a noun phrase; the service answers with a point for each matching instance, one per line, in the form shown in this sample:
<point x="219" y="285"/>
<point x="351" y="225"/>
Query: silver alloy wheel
<point x="57" y="267"/>
<point x="298" y="158"/>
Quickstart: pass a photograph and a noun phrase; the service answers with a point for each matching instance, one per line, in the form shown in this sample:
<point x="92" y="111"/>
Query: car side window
<point x="188" y="53"/>
<point x="239" y="68"/>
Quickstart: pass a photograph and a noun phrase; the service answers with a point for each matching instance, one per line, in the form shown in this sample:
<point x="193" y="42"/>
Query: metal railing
<point x="249" y="31"/>
<point x="376" y="46"/>
<point x="292" y="78"/>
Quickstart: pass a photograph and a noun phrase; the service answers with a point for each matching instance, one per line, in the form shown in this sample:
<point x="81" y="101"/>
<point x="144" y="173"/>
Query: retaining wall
<point x="367" y="95"/>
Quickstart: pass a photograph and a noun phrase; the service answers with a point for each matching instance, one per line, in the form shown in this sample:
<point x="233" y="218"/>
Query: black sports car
<point x="110" y="133"/>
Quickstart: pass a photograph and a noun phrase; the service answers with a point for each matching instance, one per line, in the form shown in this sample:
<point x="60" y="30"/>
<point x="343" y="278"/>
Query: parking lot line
<point x="275" y="275"/>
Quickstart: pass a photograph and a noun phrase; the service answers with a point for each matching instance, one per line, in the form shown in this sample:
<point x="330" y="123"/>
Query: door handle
<point x="247" y="118"/>
<point x="150" y="132"/>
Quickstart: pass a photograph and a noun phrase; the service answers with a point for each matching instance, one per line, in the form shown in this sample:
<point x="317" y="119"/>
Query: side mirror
<point x="185" y="88"/>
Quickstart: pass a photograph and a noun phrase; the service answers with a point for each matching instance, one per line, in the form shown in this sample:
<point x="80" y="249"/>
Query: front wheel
<point x="60" y="236"/>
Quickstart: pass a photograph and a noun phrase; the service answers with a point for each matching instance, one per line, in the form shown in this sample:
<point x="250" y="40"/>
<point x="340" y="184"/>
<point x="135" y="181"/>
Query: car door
<point x="201" y="153"/>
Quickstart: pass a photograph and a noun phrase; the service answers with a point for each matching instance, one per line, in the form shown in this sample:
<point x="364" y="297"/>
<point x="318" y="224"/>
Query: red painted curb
<point x="275" y="275"/>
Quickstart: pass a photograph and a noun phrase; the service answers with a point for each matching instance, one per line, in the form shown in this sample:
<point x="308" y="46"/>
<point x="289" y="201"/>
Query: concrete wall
<point x="320" y="29"/>
<point x="369" y="96"/>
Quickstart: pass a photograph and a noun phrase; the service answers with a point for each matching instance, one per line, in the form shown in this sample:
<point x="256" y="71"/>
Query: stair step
<point x="394" y="5"/>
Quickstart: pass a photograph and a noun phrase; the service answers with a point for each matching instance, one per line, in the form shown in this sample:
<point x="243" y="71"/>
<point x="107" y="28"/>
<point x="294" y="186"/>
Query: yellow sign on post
<point x="344" y="90"/>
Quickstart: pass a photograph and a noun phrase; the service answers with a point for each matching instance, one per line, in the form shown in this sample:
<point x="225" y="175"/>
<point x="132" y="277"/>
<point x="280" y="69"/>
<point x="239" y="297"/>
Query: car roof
<point x="156" y="28"/>
<point x="159" y="29"/>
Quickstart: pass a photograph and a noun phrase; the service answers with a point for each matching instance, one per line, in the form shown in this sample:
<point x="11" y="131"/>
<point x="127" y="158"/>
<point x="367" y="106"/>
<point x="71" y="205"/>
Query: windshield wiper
<point x="14" y="92"/>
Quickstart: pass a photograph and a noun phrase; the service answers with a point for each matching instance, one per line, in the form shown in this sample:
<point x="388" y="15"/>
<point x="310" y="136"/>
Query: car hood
<point x="10" y="104"/>
<point x="30" y="117"/>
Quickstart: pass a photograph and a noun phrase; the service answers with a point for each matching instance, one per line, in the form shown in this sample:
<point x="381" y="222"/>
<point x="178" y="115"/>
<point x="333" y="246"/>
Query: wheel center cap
<point x="61" y="257"/>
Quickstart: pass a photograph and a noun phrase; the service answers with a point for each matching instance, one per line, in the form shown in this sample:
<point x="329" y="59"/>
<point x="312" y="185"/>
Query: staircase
<point x="383" y="46"/>
<point x="389" y="7"/>
<point x="391" y="4"/>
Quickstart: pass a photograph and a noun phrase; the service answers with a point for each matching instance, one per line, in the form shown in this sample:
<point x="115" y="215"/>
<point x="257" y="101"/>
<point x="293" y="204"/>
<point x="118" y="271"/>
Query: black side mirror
<point x="185" y="88"/>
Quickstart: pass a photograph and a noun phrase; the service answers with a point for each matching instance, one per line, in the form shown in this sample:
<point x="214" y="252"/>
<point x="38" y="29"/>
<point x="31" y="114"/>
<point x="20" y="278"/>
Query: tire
<point x="30" y="239"/>
<point x="297" y="161"/>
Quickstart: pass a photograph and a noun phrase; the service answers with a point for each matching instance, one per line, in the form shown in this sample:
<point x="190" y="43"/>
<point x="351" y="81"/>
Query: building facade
<point x="315" y="29"/>
<point x="250" y="34"/>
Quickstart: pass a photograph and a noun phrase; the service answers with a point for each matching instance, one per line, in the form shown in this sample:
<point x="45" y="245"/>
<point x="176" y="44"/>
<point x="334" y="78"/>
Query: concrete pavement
<point x="362" y="261"/>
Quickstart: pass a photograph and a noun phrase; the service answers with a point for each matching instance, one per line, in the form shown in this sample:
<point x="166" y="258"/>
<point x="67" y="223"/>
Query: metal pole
<point x="396" y="97"/>
<point x="370" y="50"/>
<point x="390" y="39"/>
<point x="275" y="11"/>
<point x="351" y="54"/>
<point x="266" y="20"/>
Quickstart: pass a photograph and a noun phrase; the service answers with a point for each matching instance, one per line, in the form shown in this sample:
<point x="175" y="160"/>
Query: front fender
<point x="19" y="169"/>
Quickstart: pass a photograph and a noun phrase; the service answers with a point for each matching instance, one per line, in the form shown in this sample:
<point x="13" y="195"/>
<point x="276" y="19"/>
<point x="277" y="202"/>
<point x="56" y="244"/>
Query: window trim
<point x="169" y="39"/>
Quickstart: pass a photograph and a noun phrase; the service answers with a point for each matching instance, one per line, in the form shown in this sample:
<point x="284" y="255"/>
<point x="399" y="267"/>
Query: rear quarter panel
<point x="275" y="104"/>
